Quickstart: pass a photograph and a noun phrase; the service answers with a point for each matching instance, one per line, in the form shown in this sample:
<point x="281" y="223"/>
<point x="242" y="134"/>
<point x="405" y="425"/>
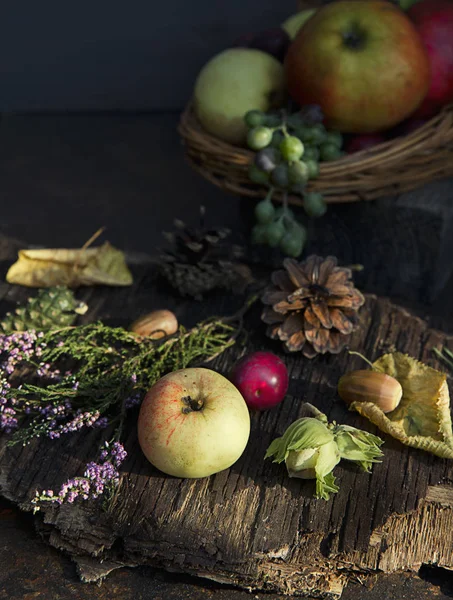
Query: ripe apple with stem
<point x="193" y="423"/>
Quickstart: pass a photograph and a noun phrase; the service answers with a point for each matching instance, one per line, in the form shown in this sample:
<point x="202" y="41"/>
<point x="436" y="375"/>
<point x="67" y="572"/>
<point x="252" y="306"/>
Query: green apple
<point x="293" y="24"/>
<point x="232" y="83"/>
<point x="193" y="423"/>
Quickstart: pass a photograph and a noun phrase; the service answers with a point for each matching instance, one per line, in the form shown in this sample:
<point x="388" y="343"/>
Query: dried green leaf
<point x="422" y="419"/>
<point x="51" y="267"/>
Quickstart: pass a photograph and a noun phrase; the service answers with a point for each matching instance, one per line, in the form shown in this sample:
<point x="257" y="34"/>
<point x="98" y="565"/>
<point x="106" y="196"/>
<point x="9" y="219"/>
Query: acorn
<point x="156" y="324"/>
<point x="371" y="386"/>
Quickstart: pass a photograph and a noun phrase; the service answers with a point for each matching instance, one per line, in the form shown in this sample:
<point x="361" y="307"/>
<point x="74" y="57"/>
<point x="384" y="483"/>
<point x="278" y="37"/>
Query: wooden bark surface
<point x="252" y="525"/>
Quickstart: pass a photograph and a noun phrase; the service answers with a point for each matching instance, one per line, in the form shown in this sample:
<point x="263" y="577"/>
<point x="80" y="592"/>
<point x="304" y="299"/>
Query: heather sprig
<point x="98" y="478"/>
<point x="61" y="381"/>
<point x="90" y="375"/>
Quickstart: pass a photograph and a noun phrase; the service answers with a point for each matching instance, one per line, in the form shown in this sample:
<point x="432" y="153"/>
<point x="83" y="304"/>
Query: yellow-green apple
<point x="295" y="22"/>
<point x="363" y="62"/>
<point x="232" y="83"/>
<point x="193" y="423"/>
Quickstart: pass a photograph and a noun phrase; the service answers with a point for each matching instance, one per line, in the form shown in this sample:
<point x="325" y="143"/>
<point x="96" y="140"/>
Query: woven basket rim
<point x="395" y="165"/>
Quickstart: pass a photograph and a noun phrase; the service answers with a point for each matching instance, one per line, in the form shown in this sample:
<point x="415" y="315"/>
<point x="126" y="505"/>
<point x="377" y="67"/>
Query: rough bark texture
<point x="252" y="525"/>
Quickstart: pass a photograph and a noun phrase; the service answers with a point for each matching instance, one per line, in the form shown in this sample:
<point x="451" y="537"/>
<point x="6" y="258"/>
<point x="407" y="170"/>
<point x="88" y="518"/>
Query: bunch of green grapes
<point x="277" y="227"/>
<point x="288" y="151"/>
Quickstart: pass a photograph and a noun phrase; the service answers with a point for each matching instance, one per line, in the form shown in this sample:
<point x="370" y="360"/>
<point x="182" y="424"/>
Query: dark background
<point x="117" y="55"/>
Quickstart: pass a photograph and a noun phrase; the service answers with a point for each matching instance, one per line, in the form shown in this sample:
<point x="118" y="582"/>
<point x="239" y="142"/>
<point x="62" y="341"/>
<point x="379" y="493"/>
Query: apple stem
<point x="191" y="404"/>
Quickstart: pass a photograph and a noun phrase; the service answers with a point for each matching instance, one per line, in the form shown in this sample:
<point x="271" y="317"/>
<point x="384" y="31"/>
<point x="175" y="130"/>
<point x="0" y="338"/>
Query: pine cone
<point x="51" y="308"/>
<point x="312" y="305"/>
<point x="201" y="259"/>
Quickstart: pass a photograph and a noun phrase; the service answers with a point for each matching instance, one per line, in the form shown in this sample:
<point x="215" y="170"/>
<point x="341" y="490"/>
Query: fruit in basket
<point x="362" y="62"/>
<point x="259" y="138"/>
<point x="262" y="378"/>
<point x="265" y="211"/>
<point x="193" y="423"/>
<point x="267" y="159"/>
<point x="291" y="148"/>
<point x="434" y="22"/>
<point x="293" y="24"/>
<point x="273" y="41"/>
<point x="314" y="204"/>
<point x="329" y="151"/>
<point x="232" y="83"/>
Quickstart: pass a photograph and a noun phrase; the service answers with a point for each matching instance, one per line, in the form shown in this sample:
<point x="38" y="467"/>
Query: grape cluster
<point x="288" y="151"/>
<point x="277" y="227"/>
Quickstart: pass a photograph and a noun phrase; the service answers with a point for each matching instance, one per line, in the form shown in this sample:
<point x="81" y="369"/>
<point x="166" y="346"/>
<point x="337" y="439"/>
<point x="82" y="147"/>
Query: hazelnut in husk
<point x="370" y="386"/>
<point x="156" y="324"/>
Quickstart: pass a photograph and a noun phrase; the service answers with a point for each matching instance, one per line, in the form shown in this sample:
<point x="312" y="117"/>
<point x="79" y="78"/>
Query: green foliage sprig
<point x="91" y="374"/>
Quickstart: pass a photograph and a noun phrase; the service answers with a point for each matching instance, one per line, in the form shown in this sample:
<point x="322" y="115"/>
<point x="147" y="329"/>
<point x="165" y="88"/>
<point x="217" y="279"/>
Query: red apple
<point x="434" y="22"/>
<point x="193" y="423"/>
<point x="362" y="62"/>
<point x="262" y="379"/>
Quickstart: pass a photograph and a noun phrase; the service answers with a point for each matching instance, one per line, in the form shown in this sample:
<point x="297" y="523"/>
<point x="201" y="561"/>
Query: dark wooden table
<point x="62" y="177"/>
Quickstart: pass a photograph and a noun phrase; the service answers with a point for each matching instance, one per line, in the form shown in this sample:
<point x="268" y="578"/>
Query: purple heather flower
<point x="132" y="401"/>
<point x="8" y="420"/>
<point x="101" y="423"/>
<point x="97" y="476"/>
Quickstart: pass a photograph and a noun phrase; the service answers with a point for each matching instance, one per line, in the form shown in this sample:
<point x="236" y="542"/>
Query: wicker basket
<point x="392" y="167"/>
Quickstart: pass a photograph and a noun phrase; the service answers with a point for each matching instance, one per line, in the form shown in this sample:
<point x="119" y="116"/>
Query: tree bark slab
<point x="252" y="525"/>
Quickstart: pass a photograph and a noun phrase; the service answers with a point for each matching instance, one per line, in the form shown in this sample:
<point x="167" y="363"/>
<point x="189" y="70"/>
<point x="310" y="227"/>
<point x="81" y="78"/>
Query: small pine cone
<point x="200" y="260"/>
<point x="312" y="306"/>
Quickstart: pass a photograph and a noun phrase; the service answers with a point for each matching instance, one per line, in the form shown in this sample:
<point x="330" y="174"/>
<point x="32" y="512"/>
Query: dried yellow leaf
<point x="104" y="265"/>
<point x="422" y="419"/>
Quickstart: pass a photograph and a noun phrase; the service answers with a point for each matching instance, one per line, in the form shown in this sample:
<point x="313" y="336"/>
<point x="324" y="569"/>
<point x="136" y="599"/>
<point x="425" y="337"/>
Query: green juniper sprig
<point x="90" y="375"/>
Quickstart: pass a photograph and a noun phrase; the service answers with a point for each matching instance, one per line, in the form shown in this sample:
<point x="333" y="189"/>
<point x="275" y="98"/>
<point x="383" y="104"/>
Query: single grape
<point x="303" y="133"/>
<point x="330" y="151"/>
<point x="259" y="137"/>
<point x="295" y="120"/>
<point x="317" y="134"/>
<point x="313" y="168"/>
<point x="311" y="153"/>
<point x="292" y="243"/>
<point x="291" y="246"/>
<point x="267" y="159"/>
<point x="298" y="172"/>
<point x="273" y="120"/>
<point x="279" y="176"/>
<point x="277" y="138"/>
<point x="335" y="138"/>
<point x="314" y="204"/>
<point x="265" y="211"/>
<point x="255" y="118"/>
<point x="259" y="234"/>
<point x="285" y="212"/>
<point x="258" y="176"/>
<point x="274" y="233"/>
<point x="291" y="148"/>
<point x="312" y="113"/>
